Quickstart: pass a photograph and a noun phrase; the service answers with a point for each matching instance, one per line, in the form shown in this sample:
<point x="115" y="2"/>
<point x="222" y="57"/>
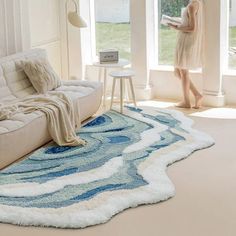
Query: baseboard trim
<point x="143" y="92"/>
<point x="214" y="99"/>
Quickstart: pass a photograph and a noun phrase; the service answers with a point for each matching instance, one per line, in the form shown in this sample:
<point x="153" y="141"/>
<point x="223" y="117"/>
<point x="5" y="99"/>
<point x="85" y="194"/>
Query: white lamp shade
<point x="76" y="20"/>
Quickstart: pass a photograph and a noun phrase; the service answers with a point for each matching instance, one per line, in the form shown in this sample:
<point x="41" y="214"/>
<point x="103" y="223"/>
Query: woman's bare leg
<point x="186" y="89"/>
<point x="177" y="73"/>
<point x="197" y="95"/>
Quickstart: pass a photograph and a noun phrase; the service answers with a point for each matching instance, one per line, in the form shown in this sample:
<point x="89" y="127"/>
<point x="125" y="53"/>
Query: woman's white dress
<point x="189" y="47"/>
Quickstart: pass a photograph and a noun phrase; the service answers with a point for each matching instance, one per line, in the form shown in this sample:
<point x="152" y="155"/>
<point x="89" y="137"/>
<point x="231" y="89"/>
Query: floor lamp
<point x="77" y="21"/>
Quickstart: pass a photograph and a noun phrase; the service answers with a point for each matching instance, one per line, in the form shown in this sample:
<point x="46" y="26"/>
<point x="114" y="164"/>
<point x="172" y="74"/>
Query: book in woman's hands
<point x="165" y="20"/>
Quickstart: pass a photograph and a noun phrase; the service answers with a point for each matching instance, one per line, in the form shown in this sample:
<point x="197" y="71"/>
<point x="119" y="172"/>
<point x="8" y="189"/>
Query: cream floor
<point x="205" y="201"/>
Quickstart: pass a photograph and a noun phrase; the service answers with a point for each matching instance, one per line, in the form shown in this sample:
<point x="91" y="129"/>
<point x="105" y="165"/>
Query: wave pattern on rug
<point x="123" y="165"/>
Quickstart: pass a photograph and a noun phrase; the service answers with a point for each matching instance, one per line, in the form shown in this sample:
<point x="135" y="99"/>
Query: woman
<point x="188" y="53"/>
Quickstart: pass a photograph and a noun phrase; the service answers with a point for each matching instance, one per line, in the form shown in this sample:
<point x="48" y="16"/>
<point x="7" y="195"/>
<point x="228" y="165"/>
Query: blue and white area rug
<point x="123" y="165"/>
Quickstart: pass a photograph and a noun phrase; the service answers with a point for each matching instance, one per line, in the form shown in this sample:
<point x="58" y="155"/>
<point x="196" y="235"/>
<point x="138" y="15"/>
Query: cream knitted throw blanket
<point x="58" y="109"/>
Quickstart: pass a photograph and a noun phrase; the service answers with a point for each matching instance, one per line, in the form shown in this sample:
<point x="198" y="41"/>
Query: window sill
<point x="230" y="73"/>
<point x="165" y="68"/>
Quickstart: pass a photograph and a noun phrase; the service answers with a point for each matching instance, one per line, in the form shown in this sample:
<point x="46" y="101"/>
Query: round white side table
<point x="122" y="75"/>
<point x="104" y="66"/>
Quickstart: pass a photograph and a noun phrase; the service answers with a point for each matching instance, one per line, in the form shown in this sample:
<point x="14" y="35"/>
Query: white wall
<point x="229" y="87"/>
<point x="44" y="19"/>
<point x="73" y="69"/>
<point x="29" y="24"/>
<point x="167" y="86"/>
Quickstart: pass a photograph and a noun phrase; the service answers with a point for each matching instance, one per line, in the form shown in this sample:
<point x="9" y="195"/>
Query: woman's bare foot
<point x="183" y="105"/>
<point x="198" y="102"/>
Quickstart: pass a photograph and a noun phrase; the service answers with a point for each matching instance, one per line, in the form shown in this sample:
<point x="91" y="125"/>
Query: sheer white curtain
<point x="14" y="26"/>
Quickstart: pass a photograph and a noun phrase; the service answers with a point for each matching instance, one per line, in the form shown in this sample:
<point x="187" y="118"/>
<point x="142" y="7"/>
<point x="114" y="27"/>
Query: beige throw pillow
<point x="41" y="75"/>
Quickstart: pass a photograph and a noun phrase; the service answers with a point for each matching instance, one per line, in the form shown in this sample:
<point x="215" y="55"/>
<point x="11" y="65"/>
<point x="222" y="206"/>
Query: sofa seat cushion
<point x="18" y="121"/>
<point x="86" y="96"/>
<point x="78" y="88"/>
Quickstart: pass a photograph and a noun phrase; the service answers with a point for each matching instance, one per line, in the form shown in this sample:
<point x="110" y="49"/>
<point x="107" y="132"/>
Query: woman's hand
<point x="173" y="26"/>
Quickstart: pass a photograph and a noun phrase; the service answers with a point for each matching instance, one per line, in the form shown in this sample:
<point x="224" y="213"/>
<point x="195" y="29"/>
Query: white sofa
<point x="24" y="133"/>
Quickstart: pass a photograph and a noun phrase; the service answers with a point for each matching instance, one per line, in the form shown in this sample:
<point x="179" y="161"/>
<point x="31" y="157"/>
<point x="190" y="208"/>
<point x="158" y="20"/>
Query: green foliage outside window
<point x="172" y="7"/>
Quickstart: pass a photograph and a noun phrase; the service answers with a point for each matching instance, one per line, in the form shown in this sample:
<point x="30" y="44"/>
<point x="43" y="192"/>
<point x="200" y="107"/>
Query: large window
<point x="167" y="36"/>
<point x="113" y="26"/>
<point x="232" y="34"/>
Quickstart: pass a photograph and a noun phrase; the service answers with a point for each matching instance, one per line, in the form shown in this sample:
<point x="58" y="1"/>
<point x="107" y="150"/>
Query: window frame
<point x="229" y="71"/>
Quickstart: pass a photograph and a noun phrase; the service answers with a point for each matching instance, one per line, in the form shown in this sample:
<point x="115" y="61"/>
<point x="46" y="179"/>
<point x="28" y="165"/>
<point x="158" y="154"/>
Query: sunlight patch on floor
<point x="216" y="113"/>
<point x="213" y="113"/>
<point x="205" y="112"/>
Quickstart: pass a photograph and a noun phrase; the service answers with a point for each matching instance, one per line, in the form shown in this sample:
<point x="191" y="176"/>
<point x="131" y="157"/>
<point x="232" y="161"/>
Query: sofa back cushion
<point x="16" y="79"/>
<point x="5" y="93"/>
